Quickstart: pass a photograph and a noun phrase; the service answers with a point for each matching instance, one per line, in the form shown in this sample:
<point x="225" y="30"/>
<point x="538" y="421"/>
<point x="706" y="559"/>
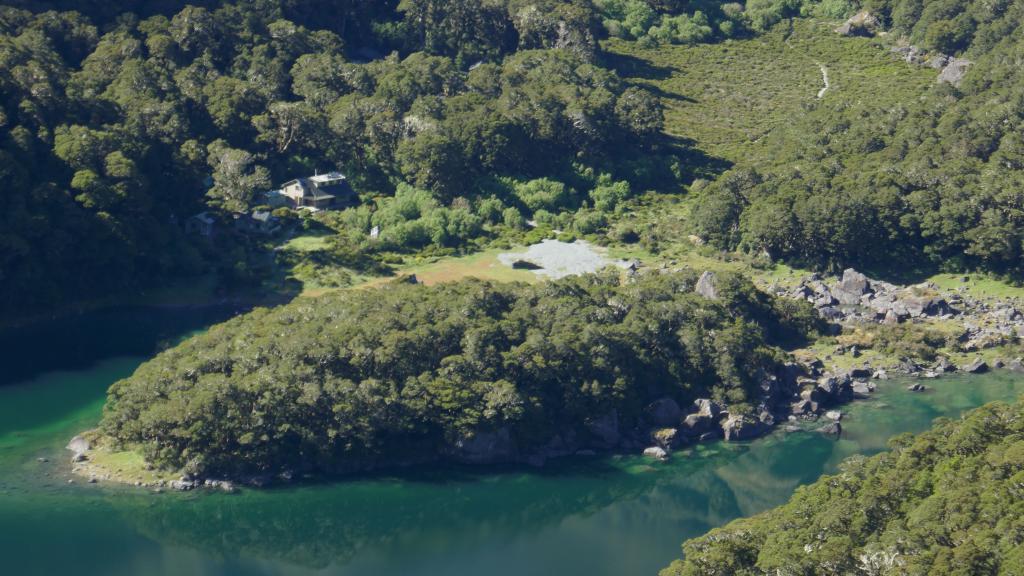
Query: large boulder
<point x="954" y="71"/>
<point x="737" y="427"/>
<point x="862" y="23"/>
<point x="707" y="285"/>
<point x="78" y="445"/>
<point x="605" y="429"/>
<point x="704" y="420"/>
<point x="851" y="287"/>
<point x="664" y="412"/>
<point x="835" y="389"/>
<point x="484" y="446"/>
<point x="656" y="452"/>
<point x="979" y="366"/>
<point x="918" y="306"/>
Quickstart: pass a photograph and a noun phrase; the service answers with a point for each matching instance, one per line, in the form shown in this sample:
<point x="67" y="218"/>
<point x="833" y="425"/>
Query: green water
<point x="591" y="517"/>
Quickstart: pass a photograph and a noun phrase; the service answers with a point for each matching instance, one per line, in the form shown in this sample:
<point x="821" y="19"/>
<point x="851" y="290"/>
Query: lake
<point x="586" y="516"/>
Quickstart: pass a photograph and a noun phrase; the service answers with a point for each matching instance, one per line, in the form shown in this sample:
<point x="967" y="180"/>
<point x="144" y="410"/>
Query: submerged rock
<point x="831" y="429"/>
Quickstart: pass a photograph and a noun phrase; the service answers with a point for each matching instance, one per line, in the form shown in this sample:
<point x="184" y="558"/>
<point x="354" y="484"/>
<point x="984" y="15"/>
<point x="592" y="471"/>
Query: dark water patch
<point x="75" y="342"/>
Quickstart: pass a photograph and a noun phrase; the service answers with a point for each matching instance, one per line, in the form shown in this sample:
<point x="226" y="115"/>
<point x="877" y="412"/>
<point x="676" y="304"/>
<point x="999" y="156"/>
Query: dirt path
<point x="824" y="77"/>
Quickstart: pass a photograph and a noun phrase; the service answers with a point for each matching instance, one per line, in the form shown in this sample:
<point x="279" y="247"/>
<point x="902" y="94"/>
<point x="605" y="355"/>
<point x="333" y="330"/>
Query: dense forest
<point x="944" y="502"/>
<point x="379" y="377"/>
<point x="119" y="125"/>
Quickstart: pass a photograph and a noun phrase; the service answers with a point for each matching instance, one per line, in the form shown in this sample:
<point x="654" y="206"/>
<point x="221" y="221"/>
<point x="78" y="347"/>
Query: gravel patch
<point x="559" y="259"/>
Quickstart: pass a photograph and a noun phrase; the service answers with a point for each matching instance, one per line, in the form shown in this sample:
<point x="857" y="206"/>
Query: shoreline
<point x="96" y="463"/>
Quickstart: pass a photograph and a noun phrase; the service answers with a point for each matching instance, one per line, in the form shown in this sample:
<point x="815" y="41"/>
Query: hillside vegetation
<point x="946" y="502"/>
<point x="906" y="176"/>
<point x="405" y="373"/>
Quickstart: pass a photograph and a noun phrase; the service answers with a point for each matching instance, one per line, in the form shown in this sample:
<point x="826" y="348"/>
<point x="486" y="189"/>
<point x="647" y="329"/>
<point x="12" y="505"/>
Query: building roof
<point x="327" y="178"/>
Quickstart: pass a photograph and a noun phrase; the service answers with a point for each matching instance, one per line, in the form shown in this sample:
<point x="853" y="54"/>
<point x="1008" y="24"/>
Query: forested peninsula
<point x="948" y="501"/>
<point x="471" y="371"/>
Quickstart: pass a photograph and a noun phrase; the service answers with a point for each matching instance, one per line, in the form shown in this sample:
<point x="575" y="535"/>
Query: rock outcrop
<point x="954" y="71"/>
<point x="707" y="285"/>
<point x="737" y="427"/>
<point x="484" y="447"/>
<point x="862" y="23"/>
<point x="664" y="412"/>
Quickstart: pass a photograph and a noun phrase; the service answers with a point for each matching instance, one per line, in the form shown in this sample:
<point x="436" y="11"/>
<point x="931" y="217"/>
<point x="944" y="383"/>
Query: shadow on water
<point x="79" y="341"/>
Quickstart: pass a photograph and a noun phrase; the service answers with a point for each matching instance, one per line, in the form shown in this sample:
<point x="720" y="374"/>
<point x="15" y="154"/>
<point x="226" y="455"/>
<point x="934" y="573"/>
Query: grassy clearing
<point x="122" y="467"/>
<point x="979" y="286"/>
<point x="306" y="243"/>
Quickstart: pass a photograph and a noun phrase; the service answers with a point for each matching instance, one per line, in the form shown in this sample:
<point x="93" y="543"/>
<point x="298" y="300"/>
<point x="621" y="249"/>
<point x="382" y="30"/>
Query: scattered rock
<point x="709" y="436"/>
<point x="862" y="389"/>
<point x="831" y="429"/>
<point x="704" y="419"/>
<point x="656" y="452"/>
<point x="78" y="457"/>
<point x="944" y="365"/>
<point x="182" y="485"/>
<point x="909" y="54"/>
<point x="938" y="62"/>
<point x="665" y="437"/>
<point x="917" y="387"/>
<point x="979" y="366"/>
<point x="834" y="415"/>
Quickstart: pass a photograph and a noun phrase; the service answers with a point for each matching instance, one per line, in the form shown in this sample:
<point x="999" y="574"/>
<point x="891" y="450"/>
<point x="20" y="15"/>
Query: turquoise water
<point x="607" y="515"/>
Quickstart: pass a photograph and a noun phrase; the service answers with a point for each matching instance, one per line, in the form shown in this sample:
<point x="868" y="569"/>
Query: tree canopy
<point x="372" y="377"/>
